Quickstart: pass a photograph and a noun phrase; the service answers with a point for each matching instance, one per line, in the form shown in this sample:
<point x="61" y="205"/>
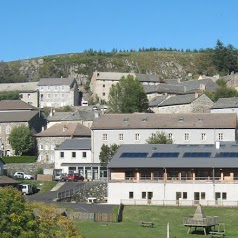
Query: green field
<point x="133" y="215"/>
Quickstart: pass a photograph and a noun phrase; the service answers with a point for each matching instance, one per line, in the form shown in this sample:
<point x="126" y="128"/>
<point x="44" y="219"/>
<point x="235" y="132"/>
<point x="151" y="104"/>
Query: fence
<point x="216" y="203"/>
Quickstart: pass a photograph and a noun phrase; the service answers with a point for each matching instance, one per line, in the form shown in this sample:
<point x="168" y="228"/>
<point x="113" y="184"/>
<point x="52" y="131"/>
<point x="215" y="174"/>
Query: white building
<point x="174" y="174"/>
<point x="194" y="128"/>
<point x="74" y="156"/>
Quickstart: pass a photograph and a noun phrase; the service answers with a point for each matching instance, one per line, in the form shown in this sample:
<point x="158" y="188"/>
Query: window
<point x="143" y="195"/>
<point x="8" y="129"/>
<point x="170" y="136"/>
<point x="61" y="154"/>
<point x="73" y="154"/>
<point x="84" y="154"/>
<point x="137" y="136"/>
<point x="220" y="136"/>
<point x="7" y="142"/>
<point x="185" y="195"/>
<point x="41" y="147"/>
<point x="28" y="95"/>
<point x="223" y="196"/>
<point x="48" y="88"/>
<point x="131" y="195"/>
<point x="103" y="85"/>
<point x="104" y="137"/>
<point x="203" y="136"/>
<point x="62" y="95"/>
<point x="103" y="94"/>
<point x="120" y="137"/>
<point x="46" y="147"/>
<point x="203" y="195"/>
<point x="52" y="147"/>
<point x="49" y="95"/>
<point x="186" y="136"/>
<point x="56" y="95"/>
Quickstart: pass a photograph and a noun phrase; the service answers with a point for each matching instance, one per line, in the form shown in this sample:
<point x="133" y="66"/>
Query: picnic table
<point x="147" y="224"/>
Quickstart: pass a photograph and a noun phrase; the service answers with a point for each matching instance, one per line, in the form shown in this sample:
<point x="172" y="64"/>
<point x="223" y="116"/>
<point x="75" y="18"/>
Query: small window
<point x="49" y="95"/>
<point x="103" y="85"/>
<point x="223" y="196"/>
<point x="73" y="154"/>
<point x="84" y="154"/>
<point x="61" y="154"/>
<point x="185" y="195"/>
<point x="131" y="195"/>
<point x="137" y="136"/>
<point x="41" y="147"/>
<point x="121" y="137"/>
<point x="143" y="195"/>
<point x="8" y="129"/>
<point x="203" y="195"/>
<point x="103" y="94"/>
<point x="220" y="136"/>
<point x="186" y="137"/>
<point x="104" y="137"/>
<point x="170" y="136"/>
<point x="28" y="95"/>
<point x="46" y="147"/>
<point x="62" y="95"/>
<point x="203" y="136"/>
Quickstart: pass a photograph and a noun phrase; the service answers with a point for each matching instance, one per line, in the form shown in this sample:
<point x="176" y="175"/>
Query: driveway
<point x="50" y="198"/>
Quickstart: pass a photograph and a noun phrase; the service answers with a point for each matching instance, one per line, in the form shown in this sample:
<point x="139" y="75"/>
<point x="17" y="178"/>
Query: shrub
<point x="19" y="159"/>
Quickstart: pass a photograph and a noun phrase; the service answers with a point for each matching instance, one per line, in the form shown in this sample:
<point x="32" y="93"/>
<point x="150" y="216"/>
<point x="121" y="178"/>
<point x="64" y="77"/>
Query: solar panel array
<point x="133" y="155"/>
<point x="227" y="154"/>
<point x="167" y="155"/>
<point x="196" y="154"/>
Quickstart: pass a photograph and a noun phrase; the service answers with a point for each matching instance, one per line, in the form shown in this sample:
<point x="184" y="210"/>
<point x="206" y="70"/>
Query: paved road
<point x="49" y="197"/>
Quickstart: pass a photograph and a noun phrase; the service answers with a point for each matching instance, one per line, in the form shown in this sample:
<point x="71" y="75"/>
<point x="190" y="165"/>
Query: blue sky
<point x="35" y="28"/>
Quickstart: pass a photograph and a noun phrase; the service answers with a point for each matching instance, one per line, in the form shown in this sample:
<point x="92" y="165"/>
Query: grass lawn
<point x="132" y="215"/>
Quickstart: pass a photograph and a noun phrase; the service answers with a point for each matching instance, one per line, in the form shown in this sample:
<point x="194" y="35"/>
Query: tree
<point x="127" y="96"/>
<point x="21" y="140"/>
<point x="21" y="219"/>
<point x="159" y="138"/>
<point x="16" y="218"/>
<point x="107" y="153"/>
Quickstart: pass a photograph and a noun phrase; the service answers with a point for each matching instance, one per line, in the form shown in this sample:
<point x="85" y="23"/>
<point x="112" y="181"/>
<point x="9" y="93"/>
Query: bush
<point x="19" y="159"/>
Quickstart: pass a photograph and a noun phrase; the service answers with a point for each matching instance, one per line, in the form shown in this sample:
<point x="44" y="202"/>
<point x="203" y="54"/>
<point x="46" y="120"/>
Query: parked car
<point x="26" y="189"/>
<point x="75" y="177"/>
<point x="60" y="177"/>
<point x="22" y="175"/>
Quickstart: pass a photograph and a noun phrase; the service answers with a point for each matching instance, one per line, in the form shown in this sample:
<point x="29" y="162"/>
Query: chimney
<point x="217" y="145"/>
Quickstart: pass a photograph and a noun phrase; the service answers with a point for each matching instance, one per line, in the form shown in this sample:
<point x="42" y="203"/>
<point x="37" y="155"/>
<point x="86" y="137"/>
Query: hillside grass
<point x="133" y="215"/>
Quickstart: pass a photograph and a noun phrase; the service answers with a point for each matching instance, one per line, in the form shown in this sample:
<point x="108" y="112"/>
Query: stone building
<point x="48" y="140"/>
<point x="58" y="92"/>
<point x="14" y="113"/>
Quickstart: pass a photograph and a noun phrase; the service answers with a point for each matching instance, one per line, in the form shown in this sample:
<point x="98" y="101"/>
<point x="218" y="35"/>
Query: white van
<point x="26" y="189"/>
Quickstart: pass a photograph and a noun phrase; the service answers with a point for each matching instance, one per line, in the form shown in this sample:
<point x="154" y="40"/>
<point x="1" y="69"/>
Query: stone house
<point x="173" y="174"/>
<point x="48" y="139"/>
<point x="182" y="128"/>
<point x="14" y="113"/>
<point x="101" y="82"/>
<point x="74" y="156"/>
<point x="28" y="91"/>
<point x="58" y="92"/>
<point x="188" y="103"/>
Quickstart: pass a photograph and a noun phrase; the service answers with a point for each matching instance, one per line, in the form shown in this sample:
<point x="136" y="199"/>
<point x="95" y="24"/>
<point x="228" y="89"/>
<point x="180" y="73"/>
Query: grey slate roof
<point x="72" y="116"/>
<point x="178" y="100"/>
<point x="21" y="87"/>
<point x="75" y="144"/>
<point x="156" y="101"/>
<point x="149" y="88"/>
<point x="112" y="76"/>
<point x="56" y="81"/>
<point x="66" y="129"/>
<point x="21" y="116"/>
<point x="226" y="103"/>
<point x="170" y="88"/>
<point x="162" y="121"/>
<point x="15" y="105"/>
<point x="148" y="78"/>
<point x="4" y="180"/>
<point x="180" y="162"/>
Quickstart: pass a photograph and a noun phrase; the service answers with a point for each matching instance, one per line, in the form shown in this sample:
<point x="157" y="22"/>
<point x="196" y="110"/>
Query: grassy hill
<point x="166" y="64"/>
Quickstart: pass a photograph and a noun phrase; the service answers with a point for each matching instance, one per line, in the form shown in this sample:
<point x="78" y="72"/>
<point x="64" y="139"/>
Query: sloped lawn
<point x="160" y="216"/>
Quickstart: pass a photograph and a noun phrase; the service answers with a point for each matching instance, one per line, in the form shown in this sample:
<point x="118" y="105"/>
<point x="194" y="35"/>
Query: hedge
<point x="19" y="159"/>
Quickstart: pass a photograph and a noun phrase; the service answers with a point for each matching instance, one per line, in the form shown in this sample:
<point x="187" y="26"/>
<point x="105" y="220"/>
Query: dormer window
<point x="125" y="119"/>
<point x="181" y="119"/>
<point x="144" y="119"/>
<point x="200" y="119"/>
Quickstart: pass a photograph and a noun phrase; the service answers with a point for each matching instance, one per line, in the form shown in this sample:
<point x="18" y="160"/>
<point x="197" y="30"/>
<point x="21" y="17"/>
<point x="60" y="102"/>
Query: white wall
<point x="161" y="191"/>
<point x="178" y="137"/>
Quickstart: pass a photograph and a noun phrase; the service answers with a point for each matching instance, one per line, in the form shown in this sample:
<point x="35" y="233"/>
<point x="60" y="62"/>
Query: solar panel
<point x="196" y="154"/>
<point x="227" y="154"/>
<point x="133" y="155"/>
<point x="165" y="155"/>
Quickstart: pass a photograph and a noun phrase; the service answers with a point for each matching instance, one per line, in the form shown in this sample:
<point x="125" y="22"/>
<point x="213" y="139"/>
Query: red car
<point x="74" y="177"/>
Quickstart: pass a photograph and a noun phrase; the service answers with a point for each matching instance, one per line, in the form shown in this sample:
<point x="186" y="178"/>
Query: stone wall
<point x="28" y="168"/>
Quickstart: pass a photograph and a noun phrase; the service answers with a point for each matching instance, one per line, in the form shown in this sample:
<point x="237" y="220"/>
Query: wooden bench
<point x="147" y="224"/>
<point x="91" y="200"/>
<point x="217" y="234"/>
